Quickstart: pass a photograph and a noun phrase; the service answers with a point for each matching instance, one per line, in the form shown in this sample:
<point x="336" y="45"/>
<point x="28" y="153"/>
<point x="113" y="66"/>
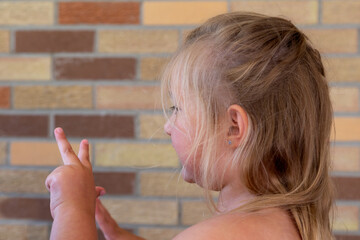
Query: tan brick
<point x="135" y="155"/>
<point x="128" y="97"/>
<point x="159" y="233"/>
<point x="4" y="41"/>
<point x="17" y="68"/>
<point x="151" y="68"/>
<point x="345" y="159"/>
<point x="167" y="184"/>
<point x="23" y="181"/>
<point x="345" y="99"/>
<point x="37" y="153"/>
<point x="347" y="129"/>
<point x="343" y="69"/>
<point x="334" y="40"/>
<point x="24" y="232"/>
<point x="152" y="127"/>
<point x="26" y="13"/>
<point x="346" y="218"/>
<point x="300" y="12"/>
<point x="3" y="152"/>
<point x="194" y="212"/>
<point x="53" y="97"/>
<point x="138" y="41"/>
<point x="143" y="212"/>
<point x="169" y="13"/>
<point x="341" y="11"/>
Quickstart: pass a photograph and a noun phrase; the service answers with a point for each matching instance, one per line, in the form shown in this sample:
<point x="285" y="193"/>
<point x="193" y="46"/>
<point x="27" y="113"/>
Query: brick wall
<point x="92" y="67"/>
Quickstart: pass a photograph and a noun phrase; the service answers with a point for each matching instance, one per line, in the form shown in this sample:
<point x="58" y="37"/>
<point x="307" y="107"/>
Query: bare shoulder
<point x="268" y="224"/>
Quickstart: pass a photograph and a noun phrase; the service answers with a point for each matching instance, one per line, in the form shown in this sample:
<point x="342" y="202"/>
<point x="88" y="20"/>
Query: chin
<point x="187" y="177"/>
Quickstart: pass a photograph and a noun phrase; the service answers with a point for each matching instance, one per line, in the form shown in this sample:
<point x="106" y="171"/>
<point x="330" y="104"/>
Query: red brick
<point x="4" y="97"/>
<point x="25" y="208"/>
<point x="108" y="126"/>
<point x="347" y="237"/>
<point x="347" y="188"/>
<point x="54" y="41"/>
<point x="99" y="12"/>
<point x="23" y="126"/>
<point x="94" y="68"/>
<point x="120" y="183"/>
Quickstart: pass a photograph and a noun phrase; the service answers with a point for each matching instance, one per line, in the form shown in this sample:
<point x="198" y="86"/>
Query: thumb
<point x="106" y="223"/>
<point x="100" y="191"/>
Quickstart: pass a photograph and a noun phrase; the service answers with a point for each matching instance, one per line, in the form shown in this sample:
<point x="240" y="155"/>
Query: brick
<point x="341" y="12"/>
<point x="152" y="127"/>
<point x="347" y="129"/>
<point x="334" y="40"/>
<point x="159" y="233"/>
<point x="92" y="126"/>
<point x="20" y="68"/>
<point x="151" y="68"/>
<point x="99" y="12"/>
<point x="346" y="237"/>
<point x="300" y="12"/>
<point x="171" y="13"/>
<point x="4" y="97"/>
<point x="345" y="99"/>
<point x="345" y="159"/>
<point x="142" y="212"/>
<point x="24" y="231"/>
<point x="167" y="184"/>
<point x="94" y="68"/>
<point x="135" y="155"/>
<point x="128" y="97"/>
<point x="4" y="41"/>
<point x="23" y="154"/>
<point x="347" y="188"/>
<point x="25" y="208"/>
<point x="3" y="152"/>
<point x="346" y="218"/>
<point x="343" y="69"/>
<point x="138" y="41"/>
<point x="194" y="212"/>
<point x="53" y="97"/>
<point x="23" y="126"/>
<point x="120" y="183"/>
<point x="23" y="181"/>
<point x="40" y="41"/>
<point x="26" y="13"/>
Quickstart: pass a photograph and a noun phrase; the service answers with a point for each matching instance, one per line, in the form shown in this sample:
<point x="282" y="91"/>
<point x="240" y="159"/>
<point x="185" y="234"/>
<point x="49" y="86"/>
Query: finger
<point x="84" y="153"/>
<point x="67" y="153"/>
<point x="106" y="223"/>
<point x="100" y="191"/>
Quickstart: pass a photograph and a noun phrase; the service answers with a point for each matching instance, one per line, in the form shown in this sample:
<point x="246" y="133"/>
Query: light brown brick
<point x="37" y="153"/>
<point x="151" y="68"/>
<point x="24" y="232"/>
<point x="138" y="41"/>
<point x="345" y="159"/>
<point x="4" y="41"/>
<point x="17" y="68"/>
<point x="53" y="97"/>
<point x="300" y="12"/>
<point x="142" y="211"/>
<point x="347" y="129"/>
<point x="152" y="127"/>
<point x="3" y="152"/>
<point x="135" y="155"/>
<point x="346" y="218"/>
<point x="159" y="233"/>
<point x="23" y="181"/>
<point x="26" y="13"/>
<point x="170" y="13"/>
<point x="341" y="12"/>
<point x="128" y="97"/>
<point x="334" y="40"/>
<point x="194" y="212"/>
<point x="343" y="69"/>
<point x="345" y="99"/>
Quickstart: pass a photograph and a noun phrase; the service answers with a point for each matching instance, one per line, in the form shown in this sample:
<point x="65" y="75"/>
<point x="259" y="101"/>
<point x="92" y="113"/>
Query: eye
<point x="174" y="109"/>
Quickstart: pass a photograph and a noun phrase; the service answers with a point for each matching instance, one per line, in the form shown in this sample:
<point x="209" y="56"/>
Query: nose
<point x="167" y="127"/>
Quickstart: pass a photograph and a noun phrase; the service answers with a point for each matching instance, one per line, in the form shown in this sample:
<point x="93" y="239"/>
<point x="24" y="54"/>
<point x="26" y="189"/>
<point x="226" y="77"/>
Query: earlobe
<point x="238" y="124"/>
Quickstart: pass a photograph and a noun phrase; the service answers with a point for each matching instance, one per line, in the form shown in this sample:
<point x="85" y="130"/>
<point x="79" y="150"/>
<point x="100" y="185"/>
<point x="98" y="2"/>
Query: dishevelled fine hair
<point x="269" y="67"/>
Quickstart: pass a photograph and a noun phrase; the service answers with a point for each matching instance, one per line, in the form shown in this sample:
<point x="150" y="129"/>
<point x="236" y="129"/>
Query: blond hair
<point x="268" y="67"/>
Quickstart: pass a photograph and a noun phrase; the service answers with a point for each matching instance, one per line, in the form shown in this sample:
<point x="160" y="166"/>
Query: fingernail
<point x="59" y="130"/>
<point x="102" y="192"/>
<point x="85" y="141"/>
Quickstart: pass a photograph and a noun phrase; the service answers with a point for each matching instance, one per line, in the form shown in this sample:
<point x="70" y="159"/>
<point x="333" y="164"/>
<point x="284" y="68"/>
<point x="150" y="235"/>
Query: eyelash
<point x="174" y="108"/>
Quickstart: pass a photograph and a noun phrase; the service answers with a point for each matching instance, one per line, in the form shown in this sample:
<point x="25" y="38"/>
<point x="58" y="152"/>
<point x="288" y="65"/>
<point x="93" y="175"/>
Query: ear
<point x="238" y="124"/>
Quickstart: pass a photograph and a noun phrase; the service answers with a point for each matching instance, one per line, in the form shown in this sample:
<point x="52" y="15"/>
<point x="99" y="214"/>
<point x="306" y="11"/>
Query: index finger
<point x="67" y="153"/>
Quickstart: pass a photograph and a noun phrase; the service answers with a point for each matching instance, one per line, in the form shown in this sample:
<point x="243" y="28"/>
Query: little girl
<point x="251" y="118"/>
